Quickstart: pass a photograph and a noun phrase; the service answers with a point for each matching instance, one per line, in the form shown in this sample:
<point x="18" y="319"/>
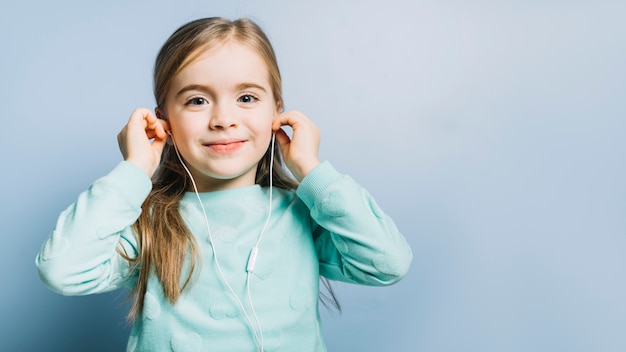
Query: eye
<point x="196" y="101"/>
<point x="247" y="98"/>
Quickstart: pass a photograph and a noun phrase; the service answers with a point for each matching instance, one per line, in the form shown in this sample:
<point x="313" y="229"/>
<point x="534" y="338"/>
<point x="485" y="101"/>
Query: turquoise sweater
<point x="329" y="226"/>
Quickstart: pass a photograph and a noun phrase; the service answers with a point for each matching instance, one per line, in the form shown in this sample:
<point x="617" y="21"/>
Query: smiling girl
<point x="222" y="248"/>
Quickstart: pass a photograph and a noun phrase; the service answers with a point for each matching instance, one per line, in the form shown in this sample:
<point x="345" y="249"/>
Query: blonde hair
<point x="163" y="238"/>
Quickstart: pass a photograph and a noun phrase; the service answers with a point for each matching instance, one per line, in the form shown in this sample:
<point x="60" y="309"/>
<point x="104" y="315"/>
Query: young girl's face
<point x="220" y="109"/>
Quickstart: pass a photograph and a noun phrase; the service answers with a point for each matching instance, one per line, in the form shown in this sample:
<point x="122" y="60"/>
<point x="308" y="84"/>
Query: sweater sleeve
<point x="355" y="240"/>
<point x="81" y="255"/>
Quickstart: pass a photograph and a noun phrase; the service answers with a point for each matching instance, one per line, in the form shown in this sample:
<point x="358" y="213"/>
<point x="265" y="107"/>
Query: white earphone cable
<point x="253" y="254"/>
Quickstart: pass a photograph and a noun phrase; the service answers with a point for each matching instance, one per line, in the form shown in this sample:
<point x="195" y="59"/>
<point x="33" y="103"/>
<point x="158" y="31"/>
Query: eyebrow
<point x="247" y="85"/>
<point x="207" y="89"/>
<point x="198" y="87"/>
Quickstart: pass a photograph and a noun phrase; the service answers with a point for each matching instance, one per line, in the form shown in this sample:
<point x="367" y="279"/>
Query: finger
<point x="289" y="118"/>
<point x="152" y="134"/>
<point x="151" y="121"/>
<point x="141" y="115"/>
<point x="152" y="126"/>
<point x="139" y="122"/>
<point x="160" y="129"/>
<point x="282" y="138"/>
<point x="165" y="124"/>
<point x="158" y="144"/>
<point x="276" y="124"/>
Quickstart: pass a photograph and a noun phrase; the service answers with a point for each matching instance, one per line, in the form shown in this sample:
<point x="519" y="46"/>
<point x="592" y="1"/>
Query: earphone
<point x="258" y="334"/>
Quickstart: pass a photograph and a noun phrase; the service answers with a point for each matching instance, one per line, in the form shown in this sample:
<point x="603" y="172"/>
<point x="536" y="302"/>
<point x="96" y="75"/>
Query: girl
<point x="221" y="248"/>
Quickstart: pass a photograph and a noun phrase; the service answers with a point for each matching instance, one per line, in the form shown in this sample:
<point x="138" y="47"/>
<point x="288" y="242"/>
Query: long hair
<point x="163" y="238"/>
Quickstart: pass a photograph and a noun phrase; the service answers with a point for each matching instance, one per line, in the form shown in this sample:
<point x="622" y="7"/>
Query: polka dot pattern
<point x="186" y="342"/>
<point x="98" y="188"/>
<point x="199" y="321"/>
<point x="222" y="310"/>
<point x="384" y="264"/>
<point x="334" y="205"/>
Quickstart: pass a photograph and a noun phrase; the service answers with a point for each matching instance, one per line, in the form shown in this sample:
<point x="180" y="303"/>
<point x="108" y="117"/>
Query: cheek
<point x="263" y="124"/>
<point x="264" y="136"/>
<point x="185" y="124"/>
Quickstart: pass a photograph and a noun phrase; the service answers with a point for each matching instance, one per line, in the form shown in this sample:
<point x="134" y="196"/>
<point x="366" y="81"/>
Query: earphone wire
<point x="256" y="246"/>
<point x="258" y="336"/>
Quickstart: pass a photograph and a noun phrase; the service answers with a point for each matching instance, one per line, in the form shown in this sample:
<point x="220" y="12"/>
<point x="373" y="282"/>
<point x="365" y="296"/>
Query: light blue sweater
<point x="329" y="226"/>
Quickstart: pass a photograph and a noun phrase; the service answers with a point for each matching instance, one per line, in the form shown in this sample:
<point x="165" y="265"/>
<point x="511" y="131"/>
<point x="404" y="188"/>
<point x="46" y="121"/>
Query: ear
<point x="159" y="113"/>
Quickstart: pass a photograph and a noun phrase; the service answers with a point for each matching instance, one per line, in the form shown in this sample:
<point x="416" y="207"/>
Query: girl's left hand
<point x="300" y="151"/>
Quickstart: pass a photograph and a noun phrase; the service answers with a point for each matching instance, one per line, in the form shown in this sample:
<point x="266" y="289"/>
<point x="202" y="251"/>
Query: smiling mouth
<point x="225" y="147"/>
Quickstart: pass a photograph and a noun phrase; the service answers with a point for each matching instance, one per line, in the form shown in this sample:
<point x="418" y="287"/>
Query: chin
<point x="233" y="174"/>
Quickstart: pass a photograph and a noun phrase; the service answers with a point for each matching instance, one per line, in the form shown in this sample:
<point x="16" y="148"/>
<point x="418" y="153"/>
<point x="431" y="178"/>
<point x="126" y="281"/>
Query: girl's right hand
<point x="142" y="140"/>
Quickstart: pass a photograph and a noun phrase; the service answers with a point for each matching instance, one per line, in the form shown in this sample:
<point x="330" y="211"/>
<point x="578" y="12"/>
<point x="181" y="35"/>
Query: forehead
<point x="230" y="62"/>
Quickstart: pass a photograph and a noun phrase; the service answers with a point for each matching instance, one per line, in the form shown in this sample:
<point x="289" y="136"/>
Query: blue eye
<point x="197" y="101"/>
<point x="247" y="98"/>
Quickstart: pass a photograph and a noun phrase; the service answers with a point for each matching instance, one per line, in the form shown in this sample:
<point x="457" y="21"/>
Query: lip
<point x="225" y="146"/>
<point x="224" y="141"/>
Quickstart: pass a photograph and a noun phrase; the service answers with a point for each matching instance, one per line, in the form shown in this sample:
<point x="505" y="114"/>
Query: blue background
<point x="491" y="131"/>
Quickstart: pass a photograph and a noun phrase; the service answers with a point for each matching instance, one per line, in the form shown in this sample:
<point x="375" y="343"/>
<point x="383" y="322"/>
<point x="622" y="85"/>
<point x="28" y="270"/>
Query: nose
<point x="222" y="117"/>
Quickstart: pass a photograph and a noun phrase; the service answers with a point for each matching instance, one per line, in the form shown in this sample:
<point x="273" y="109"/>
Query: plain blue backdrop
<point x="491" y="131"/>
